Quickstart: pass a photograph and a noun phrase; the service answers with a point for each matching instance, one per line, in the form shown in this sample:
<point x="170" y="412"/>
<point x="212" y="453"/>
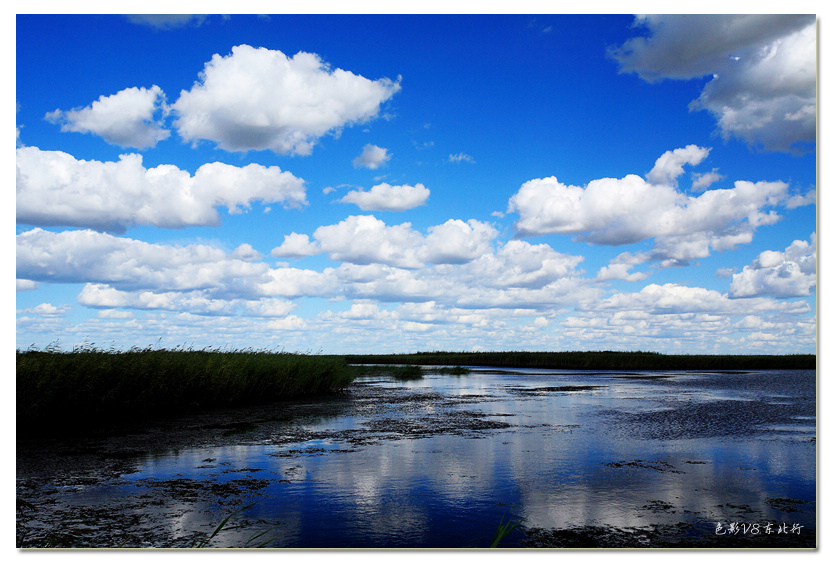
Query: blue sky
<point x="397" y="183"/>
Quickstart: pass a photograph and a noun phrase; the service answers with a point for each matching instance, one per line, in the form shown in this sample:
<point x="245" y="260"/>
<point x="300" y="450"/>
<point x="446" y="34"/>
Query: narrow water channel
<point x="589" y="459"/>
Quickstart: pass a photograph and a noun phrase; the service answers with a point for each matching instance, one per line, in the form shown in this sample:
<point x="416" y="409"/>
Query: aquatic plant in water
<point x="503" y="530"/>
<point x="248" y="544"/>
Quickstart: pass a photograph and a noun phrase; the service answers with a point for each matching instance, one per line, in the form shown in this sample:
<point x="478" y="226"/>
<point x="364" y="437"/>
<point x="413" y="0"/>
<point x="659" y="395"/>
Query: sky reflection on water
<point x="624" y="452"/>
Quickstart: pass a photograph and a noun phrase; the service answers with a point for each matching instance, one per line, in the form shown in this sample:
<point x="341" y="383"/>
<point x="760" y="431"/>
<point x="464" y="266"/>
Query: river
<point x="580" y="459"/>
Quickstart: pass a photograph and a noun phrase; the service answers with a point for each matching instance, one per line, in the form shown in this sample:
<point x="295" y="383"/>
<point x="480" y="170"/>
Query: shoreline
<point x="89" y="389"/>
<point x="604" y="360"/>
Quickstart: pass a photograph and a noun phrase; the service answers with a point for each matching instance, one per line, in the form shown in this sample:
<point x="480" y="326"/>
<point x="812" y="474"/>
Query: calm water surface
<point x="440" y="461"/>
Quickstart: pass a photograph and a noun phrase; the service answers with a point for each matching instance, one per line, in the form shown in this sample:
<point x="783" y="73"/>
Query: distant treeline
<point x="83" y="389"/>
<point x="604" y="360"/>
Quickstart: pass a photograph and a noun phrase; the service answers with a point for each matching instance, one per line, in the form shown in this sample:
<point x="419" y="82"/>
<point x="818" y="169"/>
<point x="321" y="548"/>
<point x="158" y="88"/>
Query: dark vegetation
<point x="90" y="388"/>
<point x="406" y="371"/>
<point x="605" y="360"/>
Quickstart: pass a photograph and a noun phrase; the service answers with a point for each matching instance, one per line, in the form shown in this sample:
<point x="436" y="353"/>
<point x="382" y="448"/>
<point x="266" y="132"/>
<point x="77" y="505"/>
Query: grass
<point x="89" y="387"/>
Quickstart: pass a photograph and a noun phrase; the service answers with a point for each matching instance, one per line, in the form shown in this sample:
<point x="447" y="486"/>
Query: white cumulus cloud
<point x="261" y="99"/>
<point x="46" y="310"/>
<point x="762" y="70"/>
<point x="519" y="264"/>
<point x="54" y="188"/>
<point x="619" y="271"/>
<point x="670" y="164"/>
<point x="372" y="157"/>
<point x="611" y="211"/>
<point x="85" y="256"/>
<point x="195" y="302"/>
<point x="365" y="240"/>
<point x="778" y="274"/>
<point x="384" y="197"/>
<point x="683" y="319"/>
<point x="26" y="285"/>
<point x="296" y="282"/>
<point x="296" y="245"/>
<point x="125" y="118"/>
<point x="659" y="299"/>
<point x="456" y="241"/>
<point x="516" y="277"/>
<point x="702" y="181"/>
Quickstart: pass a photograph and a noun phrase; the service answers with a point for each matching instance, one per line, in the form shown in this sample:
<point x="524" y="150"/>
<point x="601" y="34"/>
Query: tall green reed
<point x="91" y="386"/>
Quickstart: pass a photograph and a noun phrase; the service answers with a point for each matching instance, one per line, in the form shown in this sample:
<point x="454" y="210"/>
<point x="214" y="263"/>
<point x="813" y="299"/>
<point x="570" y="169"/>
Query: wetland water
<point x="585" y="459"/>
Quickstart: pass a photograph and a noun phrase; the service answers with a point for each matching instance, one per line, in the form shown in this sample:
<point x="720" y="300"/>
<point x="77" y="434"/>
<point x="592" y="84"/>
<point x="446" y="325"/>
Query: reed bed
<point x="88" y="387"/>
<point x="396" y="372"/>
